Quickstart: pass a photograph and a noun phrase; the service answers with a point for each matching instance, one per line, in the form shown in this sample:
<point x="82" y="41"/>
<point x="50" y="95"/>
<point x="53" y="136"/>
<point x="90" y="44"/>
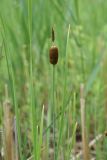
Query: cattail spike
<point x="53" y="54"/>
<point x="53" y="35"/>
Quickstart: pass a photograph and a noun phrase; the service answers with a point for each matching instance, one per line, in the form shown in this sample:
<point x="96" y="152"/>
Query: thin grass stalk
<point x="72" y="141"/>
<point x="47" y="131"/>
<point x="15" y="139"/>
<point x="1" y="142"/>
<point x="17" y="119"/>
<point x="64" y="95"/>
<point x="53" y="111"/>
<point x="73" y="124"/>
<point x="8" y="129"/>
<point x="37" y="144"/>
<point x="74" y="111"/>
<point x="83" y="124"/>
<point x="2" y="138"/>
<point x="82" y="63"/>
<point x="41" y="135"/>
<point x="31" y="80"/>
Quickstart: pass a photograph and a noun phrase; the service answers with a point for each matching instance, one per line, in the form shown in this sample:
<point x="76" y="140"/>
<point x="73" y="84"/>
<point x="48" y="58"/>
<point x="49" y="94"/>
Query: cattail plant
<point x="53" y="56"/>
<point x="53" y="52"/>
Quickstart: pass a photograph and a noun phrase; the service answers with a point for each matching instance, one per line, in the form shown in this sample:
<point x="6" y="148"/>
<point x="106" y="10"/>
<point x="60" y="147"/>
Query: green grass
<point x="25" y="39"/>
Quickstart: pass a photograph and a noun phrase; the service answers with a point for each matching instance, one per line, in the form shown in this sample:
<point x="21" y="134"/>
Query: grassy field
<point x="53" y="112"/>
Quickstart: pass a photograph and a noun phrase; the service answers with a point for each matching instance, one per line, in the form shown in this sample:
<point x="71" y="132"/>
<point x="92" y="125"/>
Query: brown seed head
<point x="53" y="55"/>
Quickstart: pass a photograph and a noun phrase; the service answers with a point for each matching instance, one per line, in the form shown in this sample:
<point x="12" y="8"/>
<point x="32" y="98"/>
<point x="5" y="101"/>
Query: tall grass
<point x="12" y="82"/>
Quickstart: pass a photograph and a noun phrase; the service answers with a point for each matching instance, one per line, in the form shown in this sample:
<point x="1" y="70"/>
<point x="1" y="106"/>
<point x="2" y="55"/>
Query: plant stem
<point x="34" y="132"/>
<point x="83" y="124"/>
<point x="53" y="113"/>
<point x="64" y="96"/>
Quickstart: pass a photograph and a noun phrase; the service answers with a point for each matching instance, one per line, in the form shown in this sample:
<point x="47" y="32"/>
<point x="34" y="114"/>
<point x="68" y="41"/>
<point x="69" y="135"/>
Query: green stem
<point x="34" y="133"/>
<point x="82" y="64"/>
<point x="64" y="97"/>
<point x="53" y="113"/>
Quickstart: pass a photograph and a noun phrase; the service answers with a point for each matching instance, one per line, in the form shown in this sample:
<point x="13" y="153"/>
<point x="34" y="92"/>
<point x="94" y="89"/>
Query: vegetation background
<point x="25" y="39"/>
